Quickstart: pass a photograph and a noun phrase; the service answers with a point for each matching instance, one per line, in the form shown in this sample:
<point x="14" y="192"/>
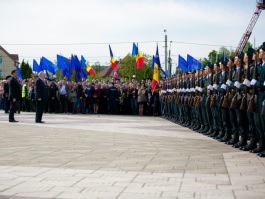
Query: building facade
<point x="7" y="62"/>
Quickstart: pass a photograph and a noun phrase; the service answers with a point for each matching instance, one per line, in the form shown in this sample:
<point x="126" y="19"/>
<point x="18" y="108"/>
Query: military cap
<point x="48" y="79"/>
<point x="240" y="56"/>
<point x="8" y="77"/>
<point x="250" y="52"/>
<point x="210" y="65"/>
<point x="232" y="58"/>
<point x="223" y="61"/>
<point x="263" y="46"/>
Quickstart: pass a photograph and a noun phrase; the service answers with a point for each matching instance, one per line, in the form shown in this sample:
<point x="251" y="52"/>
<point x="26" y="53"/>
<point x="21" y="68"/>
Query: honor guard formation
<point x="224" y="100"/>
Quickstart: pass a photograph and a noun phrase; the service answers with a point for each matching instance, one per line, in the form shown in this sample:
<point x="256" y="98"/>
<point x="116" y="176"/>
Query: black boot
<point x="252" y="145"/>
<point x="241" y="143"/>
<point x="214" y="134"/>
<point x="234" y="140"/>
<point x="227" y="137"/>
<point x="201" y="129"/>
<point x="262" y="154"/>
<point x="205" y="130"/>
<point x="220" y="135"/>
<point x="260" y="148"/>
<point x="209" y="132"/>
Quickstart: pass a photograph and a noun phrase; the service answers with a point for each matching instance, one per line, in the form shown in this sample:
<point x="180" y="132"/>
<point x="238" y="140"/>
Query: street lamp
<point x="165" y="31"/>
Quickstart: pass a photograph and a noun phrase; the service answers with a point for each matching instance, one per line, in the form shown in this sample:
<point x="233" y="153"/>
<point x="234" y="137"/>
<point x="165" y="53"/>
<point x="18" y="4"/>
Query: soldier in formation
<point x="225" y="100"/>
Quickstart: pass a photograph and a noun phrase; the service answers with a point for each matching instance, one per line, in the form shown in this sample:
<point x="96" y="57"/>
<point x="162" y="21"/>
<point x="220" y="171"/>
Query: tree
<point x="25" y="69"/>
<point x="128" y="67"/>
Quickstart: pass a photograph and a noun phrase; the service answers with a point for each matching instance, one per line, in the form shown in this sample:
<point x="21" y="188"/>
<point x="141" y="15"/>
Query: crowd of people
<point x="85" y="97"/>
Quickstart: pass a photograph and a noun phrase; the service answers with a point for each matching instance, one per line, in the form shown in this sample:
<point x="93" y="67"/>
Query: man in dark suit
<point x="14" y="95"/>
<point x="41" y="97"/>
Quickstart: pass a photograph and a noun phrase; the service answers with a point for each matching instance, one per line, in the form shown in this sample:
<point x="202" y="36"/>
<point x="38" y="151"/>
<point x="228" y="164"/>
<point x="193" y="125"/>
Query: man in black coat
<point x="14" y="95"/>
<point x="41" y="97"/>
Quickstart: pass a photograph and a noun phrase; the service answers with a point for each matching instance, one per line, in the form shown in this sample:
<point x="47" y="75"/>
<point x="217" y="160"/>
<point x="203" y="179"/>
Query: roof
<point x="108" y="71"/>
<point x="14" y="57"/>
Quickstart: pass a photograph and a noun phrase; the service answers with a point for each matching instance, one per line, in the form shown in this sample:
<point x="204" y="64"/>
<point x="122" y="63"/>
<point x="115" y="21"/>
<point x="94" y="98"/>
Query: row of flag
<point x="80" y="67"/>
<point x="190" y="64"/>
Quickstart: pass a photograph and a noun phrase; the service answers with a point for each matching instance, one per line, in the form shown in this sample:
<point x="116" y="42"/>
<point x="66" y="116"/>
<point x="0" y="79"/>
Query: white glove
<point x="210" y="87"/>
<point x="228" y="82"/>
<point x="223" y="86"/>
<point x="253" y="82"/>
<point x="247" y="82"/>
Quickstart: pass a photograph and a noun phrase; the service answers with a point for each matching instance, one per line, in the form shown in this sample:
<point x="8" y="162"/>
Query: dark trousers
<point x="6" y="104"/>
<point x="13" y="109"/>
<point x="39" y="110"/>
<point x="63" y="104"/>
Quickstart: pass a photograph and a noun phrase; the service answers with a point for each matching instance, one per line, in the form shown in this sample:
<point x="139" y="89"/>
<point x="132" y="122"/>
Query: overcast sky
<point x="36" y="28"/>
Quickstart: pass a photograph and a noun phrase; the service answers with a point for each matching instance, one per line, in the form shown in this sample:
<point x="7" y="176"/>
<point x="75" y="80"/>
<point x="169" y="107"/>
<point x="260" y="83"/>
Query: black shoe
<point x="40" y="122"/>
<point x="209" y="132"/>
<point x="13" y="121"/>
<point x="241" y="143"/>
<point x="220" y="135"/>
<point x="262" y="154"/>
<point x="226" y="138"/>
<point x="233" y="141"/>
<point x="214" y="134"/>
<point x="260" y="148"/>
<point x="252" y="145"/>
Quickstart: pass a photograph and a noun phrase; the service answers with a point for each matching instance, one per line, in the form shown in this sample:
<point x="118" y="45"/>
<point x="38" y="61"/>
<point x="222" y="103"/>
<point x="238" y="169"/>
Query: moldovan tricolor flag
<point x="156" y="74"/>
<point x="139" y="58"/>
<point x="90" y="70"/>
<point x="112" y="60"/>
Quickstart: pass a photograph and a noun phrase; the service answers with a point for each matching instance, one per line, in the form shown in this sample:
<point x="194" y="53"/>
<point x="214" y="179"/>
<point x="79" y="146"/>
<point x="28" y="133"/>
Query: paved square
<point x="120" y="157"/>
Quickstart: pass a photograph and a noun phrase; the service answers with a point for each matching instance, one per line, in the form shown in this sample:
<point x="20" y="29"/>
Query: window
<point x="1" y="60"/>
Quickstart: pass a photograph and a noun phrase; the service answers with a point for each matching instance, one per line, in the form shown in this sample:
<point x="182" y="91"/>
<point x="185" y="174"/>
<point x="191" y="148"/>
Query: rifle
<point x="263" y="108"/>
<point x="191" y="102"/>
<point x="251" y="105"/>
<point x="234" y="100"/>
<point x="187" y="99"/>
<point x="196" y="83"/>
<point x="198" y="102"/>
<point x="223" y="93"/>
<point x="214" y="98"/>
<point x="208" y="99"/>
<point x="244" y="103"/>
<point x="226" y="97"/>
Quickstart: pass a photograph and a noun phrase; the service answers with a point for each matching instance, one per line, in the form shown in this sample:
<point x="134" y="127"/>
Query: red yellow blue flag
<point x="112" y="60"/>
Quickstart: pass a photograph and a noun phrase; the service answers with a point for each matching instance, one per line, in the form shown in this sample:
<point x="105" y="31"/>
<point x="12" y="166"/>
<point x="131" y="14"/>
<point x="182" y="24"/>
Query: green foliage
<point x="248" y="45"/>
<point x="25" y="69"/>
<point x="128" y="67"/>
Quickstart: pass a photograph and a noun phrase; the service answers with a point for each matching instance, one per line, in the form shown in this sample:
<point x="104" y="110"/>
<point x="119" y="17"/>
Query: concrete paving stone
<point x="246" y="194"/>
<point x="120" y="157"/>
<point x="231" y="187"/>
<point x="216" y="194"/>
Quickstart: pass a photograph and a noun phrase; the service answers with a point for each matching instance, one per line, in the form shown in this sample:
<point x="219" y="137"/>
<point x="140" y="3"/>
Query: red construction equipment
<point x="259" y="7"/>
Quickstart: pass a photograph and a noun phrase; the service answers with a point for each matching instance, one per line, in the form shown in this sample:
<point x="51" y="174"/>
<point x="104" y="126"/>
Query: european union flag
<point x="63" y="62"/>
<point x="193" y="64"/>
<point x="183" y="65"/>
<point x="48" y="65"/>
<point x="19" y="73"/>
<point x="36" y="66"/>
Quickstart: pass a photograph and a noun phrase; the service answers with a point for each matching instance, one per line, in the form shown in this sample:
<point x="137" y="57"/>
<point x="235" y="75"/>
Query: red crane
<point x="259" y="7"/>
